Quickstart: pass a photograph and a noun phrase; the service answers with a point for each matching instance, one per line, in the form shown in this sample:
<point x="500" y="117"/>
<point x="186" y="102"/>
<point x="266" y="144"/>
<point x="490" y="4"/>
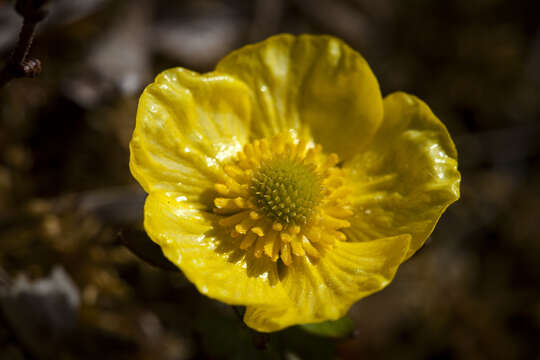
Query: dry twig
<point x="20" y="65"/>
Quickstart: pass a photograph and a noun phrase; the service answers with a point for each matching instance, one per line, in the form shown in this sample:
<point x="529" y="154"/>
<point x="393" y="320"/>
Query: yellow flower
<point x="284" y="182"/>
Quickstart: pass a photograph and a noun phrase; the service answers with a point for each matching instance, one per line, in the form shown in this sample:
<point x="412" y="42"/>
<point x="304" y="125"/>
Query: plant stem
<point x="19" y="65"/>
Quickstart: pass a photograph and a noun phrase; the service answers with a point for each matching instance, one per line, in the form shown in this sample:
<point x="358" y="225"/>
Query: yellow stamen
<point x="295" y="229"/>
<point x="312" y="154"/>
<point x="258" y="230"/>
<point x="236" y="172"/>
<point x="244" y="225"/>
<point x="266" y="152"/>
<point x="240" y="202"/>
<point x="233" y="219"/>
<point x="222" y="189"/>
<point x="286" y="254"/>
<point x="270" y="243"/>
<point x="254" y="215"/>
<point x="259" y="247"/>
<point x="310" y="249"/>
<point x="339" y="212"/>
<point x="277" y="226"/>
<point x="282" y="200"/>
<point x="248" y="240"/>
<point x="285" y="237"/>
<point x="297" y="248"/>
<point x="334" y="223"/>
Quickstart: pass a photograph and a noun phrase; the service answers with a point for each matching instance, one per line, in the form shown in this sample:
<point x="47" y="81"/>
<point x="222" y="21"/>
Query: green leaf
<point x="334" y="329"/>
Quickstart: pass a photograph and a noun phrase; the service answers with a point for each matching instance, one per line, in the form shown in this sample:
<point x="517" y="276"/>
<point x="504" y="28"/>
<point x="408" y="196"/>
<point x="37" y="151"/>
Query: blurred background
<point x="71" y="289"/>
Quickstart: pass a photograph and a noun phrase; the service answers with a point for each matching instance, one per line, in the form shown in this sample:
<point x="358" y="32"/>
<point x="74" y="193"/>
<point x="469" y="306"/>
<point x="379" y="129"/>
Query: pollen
<point x="284" y="198"/>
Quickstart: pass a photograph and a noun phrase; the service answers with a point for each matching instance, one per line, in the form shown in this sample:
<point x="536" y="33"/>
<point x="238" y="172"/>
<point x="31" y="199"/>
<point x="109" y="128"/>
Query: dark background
<point x="70" y="289"/>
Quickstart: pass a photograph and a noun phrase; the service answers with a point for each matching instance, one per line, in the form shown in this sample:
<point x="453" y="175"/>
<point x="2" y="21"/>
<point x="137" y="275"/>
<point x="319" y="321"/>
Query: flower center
<point x="286" y="190"/>
<point x="284" y="200"/>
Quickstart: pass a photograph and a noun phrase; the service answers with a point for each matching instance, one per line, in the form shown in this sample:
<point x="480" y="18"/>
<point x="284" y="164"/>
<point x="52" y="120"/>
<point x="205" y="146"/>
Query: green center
<point x="287" y="191"/>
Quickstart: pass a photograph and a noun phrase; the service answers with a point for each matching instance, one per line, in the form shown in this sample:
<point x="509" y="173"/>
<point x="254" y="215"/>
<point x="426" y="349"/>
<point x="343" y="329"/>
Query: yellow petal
<point x="208" y="256"/>
<point x="316" y="85"/>
<point x="407" y="176"/>
<point x="187" y="123"/>
<point x="326" y="289"/>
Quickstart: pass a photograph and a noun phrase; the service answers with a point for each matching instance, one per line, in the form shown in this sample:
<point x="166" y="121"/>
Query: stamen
<point x="259" y="247"/>
<point x="249" y="239"/>
<point x="297" y="248"/>
<point x="277" y="226"/>
<point x="310" y="249"/>
<point x="254" y="215"/>
<point x="339" y="212"/>
<point x="285" y="237"/>
<point x="282" y="200"/>
<point x="286" y="254"/>
<point x="236" y="172"/>
<point x="245" y="225"/>
<point x="271" y="238"/>
<point x="234" y="219"/>
<point x="222" y="189"/>
<point x="334" y="223"/>
<point x="258" y="230"/>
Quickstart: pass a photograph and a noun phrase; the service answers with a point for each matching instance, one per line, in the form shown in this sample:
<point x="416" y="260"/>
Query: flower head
<point x="284" y="182"/>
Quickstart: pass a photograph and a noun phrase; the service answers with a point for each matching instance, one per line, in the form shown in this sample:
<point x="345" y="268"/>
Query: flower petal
<point x="186" y="123"/>
<point x="407" y="176"/>
<point x="316" y="85"/>
<point x="325" y="290"/>
<point x="208" y="257"/>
